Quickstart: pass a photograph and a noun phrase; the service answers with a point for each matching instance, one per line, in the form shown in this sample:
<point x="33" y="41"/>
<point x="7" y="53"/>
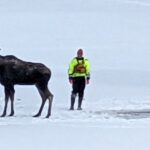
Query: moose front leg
<point x="6" y="102"/>
<point x="12" y="92"/>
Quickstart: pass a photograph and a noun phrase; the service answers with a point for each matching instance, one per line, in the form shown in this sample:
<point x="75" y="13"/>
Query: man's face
<point x="80" y="53"/>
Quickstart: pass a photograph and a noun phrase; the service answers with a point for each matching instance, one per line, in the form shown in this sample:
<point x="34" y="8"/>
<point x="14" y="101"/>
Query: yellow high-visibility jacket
<point x="84" y="68"/>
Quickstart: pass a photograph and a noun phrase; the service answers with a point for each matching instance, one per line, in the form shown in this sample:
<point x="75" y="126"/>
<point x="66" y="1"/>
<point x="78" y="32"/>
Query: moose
<point x="14" y="71"/>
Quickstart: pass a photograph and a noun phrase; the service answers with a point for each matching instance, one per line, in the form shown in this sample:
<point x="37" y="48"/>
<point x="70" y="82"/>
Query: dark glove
<point x="70" y="80"/>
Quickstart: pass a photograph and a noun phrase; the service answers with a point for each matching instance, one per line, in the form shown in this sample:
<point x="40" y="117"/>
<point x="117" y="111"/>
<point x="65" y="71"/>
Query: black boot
<point x="79" y="103"/>
<point x="73" y="96"/>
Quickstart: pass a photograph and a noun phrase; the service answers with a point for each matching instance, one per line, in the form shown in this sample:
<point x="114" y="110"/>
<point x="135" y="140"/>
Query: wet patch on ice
<point x="125" y="114"/>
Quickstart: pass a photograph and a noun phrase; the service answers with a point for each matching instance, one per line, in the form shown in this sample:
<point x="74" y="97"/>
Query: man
<point x="79" y="76"/>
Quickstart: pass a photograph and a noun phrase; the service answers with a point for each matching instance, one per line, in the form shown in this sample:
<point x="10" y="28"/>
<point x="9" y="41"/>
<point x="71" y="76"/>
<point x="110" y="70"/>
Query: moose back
<point x="16" y="71"/>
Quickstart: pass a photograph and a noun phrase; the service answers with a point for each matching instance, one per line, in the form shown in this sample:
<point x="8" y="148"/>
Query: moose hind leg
<point x="41" y="108"/>
<point x="50" y="100"/>
<point x="43" y="101"/>
<point x="45" y="94"/>
<point x="48" y="95"/>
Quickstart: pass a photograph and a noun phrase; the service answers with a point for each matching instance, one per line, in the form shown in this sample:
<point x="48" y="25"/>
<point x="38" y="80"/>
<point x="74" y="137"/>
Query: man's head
<point x="80" y="53"/>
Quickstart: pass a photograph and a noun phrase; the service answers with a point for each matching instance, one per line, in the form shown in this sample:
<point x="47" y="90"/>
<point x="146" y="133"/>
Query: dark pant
<point x="78" y="87"/>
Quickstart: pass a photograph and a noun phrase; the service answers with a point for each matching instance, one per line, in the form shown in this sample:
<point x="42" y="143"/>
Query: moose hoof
<point x="3" y="115"/>
<point x="37" y="115"/>
<point x="11" y="115"/>
<point x="47" y="116"/>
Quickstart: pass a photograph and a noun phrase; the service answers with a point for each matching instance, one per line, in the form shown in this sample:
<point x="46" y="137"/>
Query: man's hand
<point x="87" y="81"/>
<point x="71" y="81"/>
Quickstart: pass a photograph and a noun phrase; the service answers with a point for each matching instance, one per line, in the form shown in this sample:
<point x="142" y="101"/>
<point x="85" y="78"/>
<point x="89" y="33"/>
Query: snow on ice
<point x="115" y="37"/>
